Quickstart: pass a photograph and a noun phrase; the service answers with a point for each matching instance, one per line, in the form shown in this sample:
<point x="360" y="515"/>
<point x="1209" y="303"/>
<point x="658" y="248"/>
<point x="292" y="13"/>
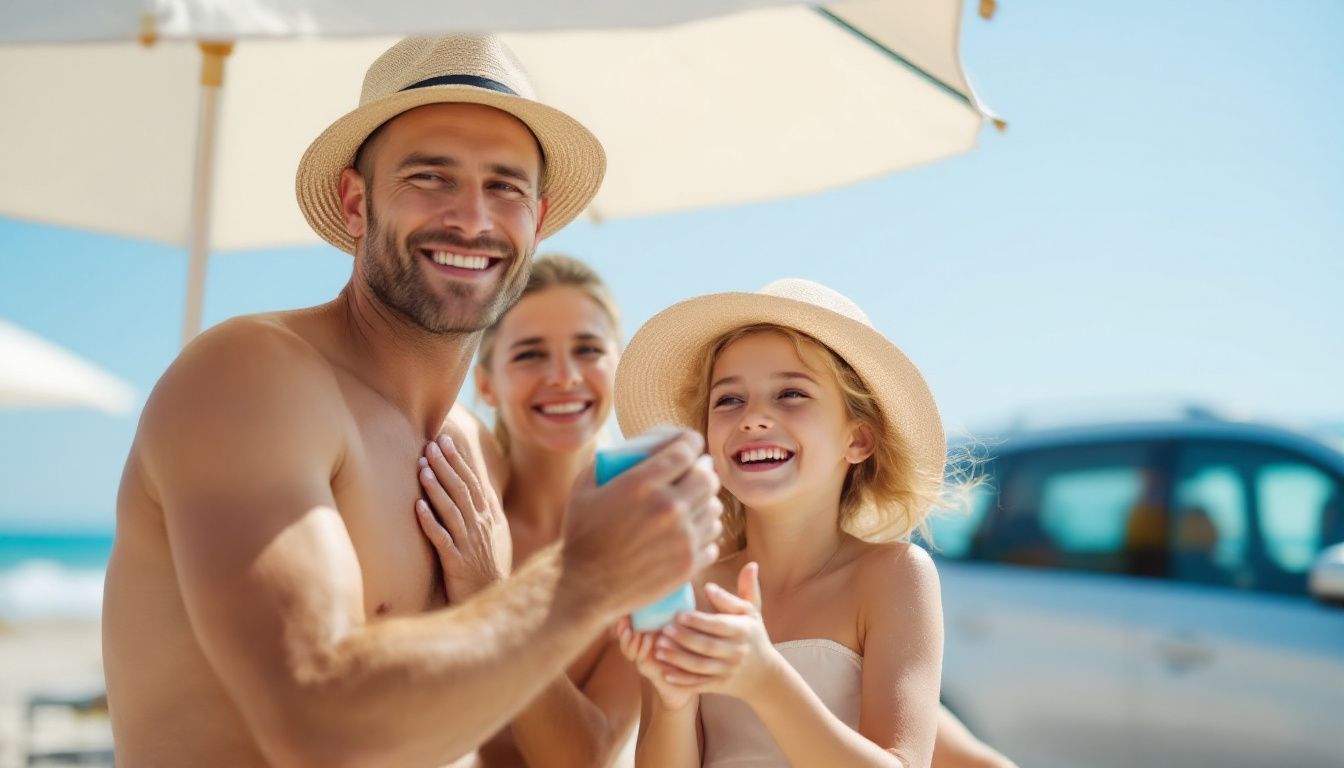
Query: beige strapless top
<point x="735" y="737"/>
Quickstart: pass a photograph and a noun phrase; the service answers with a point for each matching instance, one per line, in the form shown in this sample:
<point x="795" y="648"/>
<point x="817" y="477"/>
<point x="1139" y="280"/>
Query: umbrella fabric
<point x="42" y="21"/>
<point x="35" y="373"/>
<point x="744" y="108"/>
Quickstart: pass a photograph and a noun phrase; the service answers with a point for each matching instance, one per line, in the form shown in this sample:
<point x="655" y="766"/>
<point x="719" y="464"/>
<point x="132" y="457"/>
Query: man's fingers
<point x="665" y="465"/>
<point x="707" y="555"/>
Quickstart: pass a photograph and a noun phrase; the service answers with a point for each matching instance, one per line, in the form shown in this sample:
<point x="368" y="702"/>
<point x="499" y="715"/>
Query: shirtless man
<point x="270" y="599"/>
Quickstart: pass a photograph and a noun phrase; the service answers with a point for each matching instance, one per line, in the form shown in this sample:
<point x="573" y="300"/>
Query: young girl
<point x="819" y="638"/>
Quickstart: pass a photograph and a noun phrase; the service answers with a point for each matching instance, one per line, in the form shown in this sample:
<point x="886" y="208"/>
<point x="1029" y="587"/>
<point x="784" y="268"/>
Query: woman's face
<point x="777" y="428"/>
<point x="553" y="368"/>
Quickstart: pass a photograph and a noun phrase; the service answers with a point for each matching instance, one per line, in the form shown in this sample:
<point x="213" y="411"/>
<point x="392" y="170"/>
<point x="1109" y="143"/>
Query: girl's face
<point x="553" y="369"/>
<point x="778" y="430"/>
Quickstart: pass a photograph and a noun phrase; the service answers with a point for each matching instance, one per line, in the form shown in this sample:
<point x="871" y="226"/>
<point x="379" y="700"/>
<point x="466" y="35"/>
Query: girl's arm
<point x="569" y="726"/>
<point x="730" y="653"/>
<point x="669" y="722"/>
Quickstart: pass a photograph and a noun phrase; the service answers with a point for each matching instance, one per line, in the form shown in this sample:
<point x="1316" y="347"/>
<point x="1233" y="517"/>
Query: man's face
<point x="452" y="213"/>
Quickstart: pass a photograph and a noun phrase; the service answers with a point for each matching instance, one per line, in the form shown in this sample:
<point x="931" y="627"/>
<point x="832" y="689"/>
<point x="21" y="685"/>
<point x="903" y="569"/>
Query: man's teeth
<point x="763" y="454"/>
<point x="458" y="260"/>
<point x="563" y="409"/>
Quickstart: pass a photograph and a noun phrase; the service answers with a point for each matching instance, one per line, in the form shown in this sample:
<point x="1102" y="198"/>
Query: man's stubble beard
<point x="395" y="277"/>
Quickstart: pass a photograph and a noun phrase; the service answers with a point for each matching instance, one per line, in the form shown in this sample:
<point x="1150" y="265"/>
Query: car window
<point x="1250" y="516"/>
<point x="951" y="529"/>
<point x="1291" y="497"/>
<point x="1072" y="508"/>
<point x="1210" y="516"/>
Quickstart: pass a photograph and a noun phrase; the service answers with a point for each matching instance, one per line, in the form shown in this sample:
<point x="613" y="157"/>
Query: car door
<point x="1239" y="667"/>
<point x="1040" y="650"/>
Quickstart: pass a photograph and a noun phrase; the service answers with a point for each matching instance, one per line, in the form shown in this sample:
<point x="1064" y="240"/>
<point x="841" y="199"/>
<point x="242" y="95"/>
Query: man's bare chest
<point x="375" y="488"/>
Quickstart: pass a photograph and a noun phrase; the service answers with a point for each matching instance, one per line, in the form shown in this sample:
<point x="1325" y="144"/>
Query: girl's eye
<point x="590" y="351"/>
<point x="527" y="354"/>
<point x="727" y="400"/>
<point x="797" y="394"/>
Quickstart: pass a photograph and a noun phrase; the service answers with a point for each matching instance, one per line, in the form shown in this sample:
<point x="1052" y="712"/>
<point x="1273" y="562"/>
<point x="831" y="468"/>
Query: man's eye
<point x="504" y="186"/>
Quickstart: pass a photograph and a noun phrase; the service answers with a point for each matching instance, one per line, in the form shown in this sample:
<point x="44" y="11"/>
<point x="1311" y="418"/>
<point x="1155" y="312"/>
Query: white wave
<point x="42" y="589"/>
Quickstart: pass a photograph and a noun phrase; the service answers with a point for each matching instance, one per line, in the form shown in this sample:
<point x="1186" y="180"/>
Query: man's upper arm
<point x="903" y="648"/>
<point x="240" y="440"/>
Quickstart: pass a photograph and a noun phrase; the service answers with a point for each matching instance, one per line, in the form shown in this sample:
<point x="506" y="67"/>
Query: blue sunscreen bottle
<point x="612" y="461"/>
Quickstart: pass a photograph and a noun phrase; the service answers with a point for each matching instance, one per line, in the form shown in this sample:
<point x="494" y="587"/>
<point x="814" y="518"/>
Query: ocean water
<point x="52" y="576"/>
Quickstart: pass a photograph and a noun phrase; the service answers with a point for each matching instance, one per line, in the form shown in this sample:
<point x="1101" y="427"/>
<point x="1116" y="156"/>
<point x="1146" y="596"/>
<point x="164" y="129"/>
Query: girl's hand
<point x="462" y="520"/>
<point x="728" y="652"/>
<point x="638" y="648"/>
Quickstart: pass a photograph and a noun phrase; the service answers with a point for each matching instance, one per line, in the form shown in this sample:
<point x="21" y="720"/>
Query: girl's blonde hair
<point x="552" y="270"/>
<point x="884" y="497"/>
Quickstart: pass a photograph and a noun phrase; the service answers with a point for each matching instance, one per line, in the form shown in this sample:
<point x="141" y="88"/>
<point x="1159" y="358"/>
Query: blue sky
<point x="1161" y="220"/>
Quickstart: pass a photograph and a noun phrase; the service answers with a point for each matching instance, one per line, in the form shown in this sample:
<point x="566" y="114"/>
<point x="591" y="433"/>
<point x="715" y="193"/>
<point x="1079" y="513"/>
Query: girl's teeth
<point x="458" y="260"/>
<point x="562" y="409"/>
<point x="764" y="454"/>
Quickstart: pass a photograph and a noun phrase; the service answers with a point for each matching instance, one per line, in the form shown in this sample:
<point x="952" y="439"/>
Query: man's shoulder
<point x="251" y="347"/>
<point x="249" y="373"/>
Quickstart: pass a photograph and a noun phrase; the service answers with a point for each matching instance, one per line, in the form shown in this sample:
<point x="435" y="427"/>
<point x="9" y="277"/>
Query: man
<point x="270" y="599"/>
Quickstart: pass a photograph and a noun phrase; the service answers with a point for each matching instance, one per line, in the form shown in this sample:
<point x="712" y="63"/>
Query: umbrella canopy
<point x="40" y="21"/>
<point x="37" y="374"/>
<point x="753" y="106"/>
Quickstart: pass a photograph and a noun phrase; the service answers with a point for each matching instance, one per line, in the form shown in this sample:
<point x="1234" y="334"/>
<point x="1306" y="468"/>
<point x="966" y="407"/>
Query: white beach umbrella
<point x="752" y="106"/>
<point x="34" y="373"/>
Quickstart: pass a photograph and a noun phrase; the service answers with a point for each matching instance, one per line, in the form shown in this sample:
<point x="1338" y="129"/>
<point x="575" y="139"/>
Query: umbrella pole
<point x="212" y="79"/>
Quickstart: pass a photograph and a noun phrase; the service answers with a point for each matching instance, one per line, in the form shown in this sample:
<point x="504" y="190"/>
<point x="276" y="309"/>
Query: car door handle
<point x="1183" y="653"/>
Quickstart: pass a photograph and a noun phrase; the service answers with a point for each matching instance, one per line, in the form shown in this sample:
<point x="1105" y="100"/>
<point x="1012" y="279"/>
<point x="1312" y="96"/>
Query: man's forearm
<point x="425" y="689"/>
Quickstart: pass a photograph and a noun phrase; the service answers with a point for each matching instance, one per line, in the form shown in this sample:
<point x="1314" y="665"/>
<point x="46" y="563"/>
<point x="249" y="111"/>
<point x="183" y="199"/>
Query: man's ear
<point x="352" y="195"/>
<point x="862" y="443"/>
<point x="543" y="207"/>
<point x="485" y="388"/>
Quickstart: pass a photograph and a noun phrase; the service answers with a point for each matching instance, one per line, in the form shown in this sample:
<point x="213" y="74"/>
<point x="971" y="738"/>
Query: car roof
<point x="1017" y="441"/>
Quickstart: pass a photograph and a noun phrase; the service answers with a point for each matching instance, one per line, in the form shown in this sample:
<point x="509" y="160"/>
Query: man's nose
<point x="468" y="212"/>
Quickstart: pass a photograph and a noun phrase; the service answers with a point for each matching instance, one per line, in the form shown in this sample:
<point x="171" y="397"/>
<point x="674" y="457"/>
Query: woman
<point x="547" y="367"/>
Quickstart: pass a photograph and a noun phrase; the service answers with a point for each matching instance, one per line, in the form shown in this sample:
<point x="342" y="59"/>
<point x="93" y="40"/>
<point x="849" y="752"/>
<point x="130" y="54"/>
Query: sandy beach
<point x="53" y="658"/>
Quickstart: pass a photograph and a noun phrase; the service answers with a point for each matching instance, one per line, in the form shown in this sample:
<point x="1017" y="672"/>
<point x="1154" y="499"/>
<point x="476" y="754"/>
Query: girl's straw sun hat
<point x="455" y="69"/>
<point x="655" y="369"/>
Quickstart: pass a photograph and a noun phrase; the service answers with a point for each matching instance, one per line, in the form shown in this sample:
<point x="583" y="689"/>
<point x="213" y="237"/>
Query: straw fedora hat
<point x="470" y="69"/>
<point x="656" y="367"/>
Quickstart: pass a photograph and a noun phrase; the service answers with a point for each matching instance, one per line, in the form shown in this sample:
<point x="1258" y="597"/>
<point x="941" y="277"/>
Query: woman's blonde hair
<point x="884" y="497"/>
<point x="552" y="270"/>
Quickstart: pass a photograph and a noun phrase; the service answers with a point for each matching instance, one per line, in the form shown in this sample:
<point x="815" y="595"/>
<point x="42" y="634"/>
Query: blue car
<point x="1166" y="593"/>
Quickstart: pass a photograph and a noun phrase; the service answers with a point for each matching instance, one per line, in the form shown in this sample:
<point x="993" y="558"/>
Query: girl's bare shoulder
<point x="893" y="568"/>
